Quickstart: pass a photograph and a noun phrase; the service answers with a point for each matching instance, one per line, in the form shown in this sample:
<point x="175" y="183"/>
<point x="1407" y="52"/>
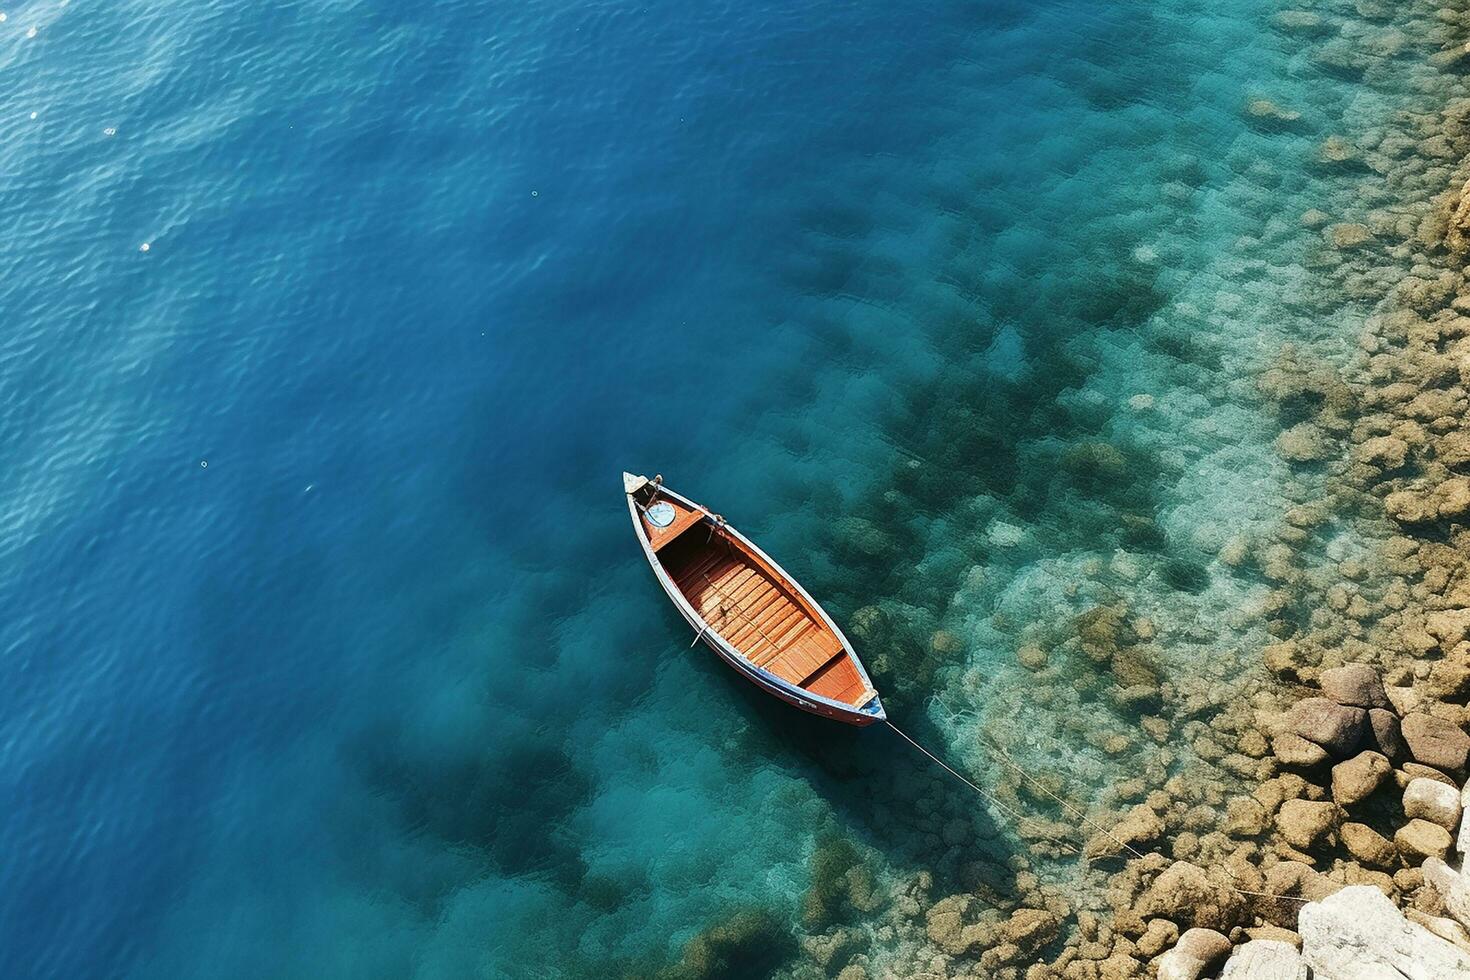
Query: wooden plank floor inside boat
<point x="756" y="613"/>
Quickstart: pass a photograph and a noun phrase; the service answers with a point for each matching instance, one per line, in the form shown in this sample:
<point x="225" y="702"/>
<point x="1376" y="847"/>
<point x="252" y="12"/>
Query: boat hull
<point x="868" y="707"/>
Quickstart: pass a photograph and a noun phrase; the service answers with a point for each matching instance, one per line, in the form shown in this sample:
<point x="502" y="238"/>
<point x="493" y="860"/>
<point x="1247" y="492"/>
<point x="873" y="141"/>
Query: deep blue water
<point x="327" y="649"/>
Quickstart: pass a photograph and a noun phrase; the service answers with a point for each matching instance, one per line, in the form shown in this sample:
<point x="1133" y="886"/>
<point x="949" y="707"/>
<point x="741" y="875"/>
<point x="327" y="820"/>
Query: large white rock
<point x="1429" y="799"/>
<point x="1441" y="927"/>
<point x="1265" y="959"/>
<point x="1358" y="934"/>
<point x="1462" y="843"/>
<point x="1453" y="888"/>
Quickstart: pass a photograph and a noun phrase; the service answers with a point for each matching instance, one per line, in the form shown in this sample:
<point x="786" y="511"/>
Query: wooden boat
<point x="747" y="609"/>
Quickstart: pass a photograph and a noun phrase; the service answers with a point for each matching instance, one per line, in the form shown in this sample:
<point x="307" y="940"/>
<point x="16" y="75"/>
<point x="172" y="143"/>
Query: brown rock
<point x="1245" y="817"/>
<point x="1275" y="933"/>
<point x="1448" y="626"/>
<point x="1436" y="742"/>
<point x="1197" y="952"/>
<point x="1288" y="661"/>
<point x="999" y="956"/>
<point x="1031" y="657"/>
<point x="1305" y="824"/>
<point x="1303" y="443"/>
<point x="1348" y="235"/>
<point x="1293" y="750"/>
<point x="1406" y="699"/>
<point x="1369" y="846"/>
<point x="1354" y="684"/>
<point x="1159" y="936"/>
<point x="1296" y="878"/>
<point x="1411" y="507"/>
<point x="1183" y="893"/>
<point x="1449" y="679"/>
<point x="1356" y="779"/>
<point x="1453" y="497"/>
<point x="1388" y="453"/>
<point x="1141" y="826"/>
<point x="1119" y="966"/>
<point x="1411" y="771"/>
<point x="1030" y="929"/>
<point x="946" y="926"/>
<point x="1383" y="727"/>
<point x="1453" y="448"/>
<point x="1420" y="839"/>
<point x="1336" y="727"/>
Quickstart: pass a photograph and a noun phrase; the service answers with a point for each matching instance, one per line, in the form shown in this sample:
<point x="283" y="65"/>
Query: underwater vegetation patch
<point x="1185" y="576"/>
<point x="749" y="942"/>
<point x="461" y="799"/>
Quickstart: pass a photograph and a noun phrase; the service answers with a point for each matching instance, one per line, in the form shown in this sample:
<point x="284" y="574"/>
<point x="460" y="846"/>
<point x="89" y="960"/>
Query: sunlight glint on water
<point x="954" y="311"/>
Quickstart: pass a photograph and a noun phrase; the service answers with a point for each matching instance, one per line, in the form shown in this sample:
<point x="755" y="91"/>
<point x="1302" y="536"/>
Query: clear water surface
<point x="330" y="326"/>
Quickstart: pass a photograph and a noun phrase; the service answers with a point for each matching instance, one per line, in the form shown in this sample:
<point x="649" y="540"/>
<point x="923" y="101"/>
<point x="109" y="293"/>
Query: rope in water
<point x="1002" y="806"/>
<point x="1009" y="811"/>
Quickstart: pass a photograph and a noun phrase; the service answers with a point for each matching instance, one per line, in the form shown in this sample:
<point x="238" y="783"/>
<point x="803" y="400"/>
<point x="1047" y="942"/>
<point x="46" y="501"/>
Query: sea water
<point x="330" y="327"/>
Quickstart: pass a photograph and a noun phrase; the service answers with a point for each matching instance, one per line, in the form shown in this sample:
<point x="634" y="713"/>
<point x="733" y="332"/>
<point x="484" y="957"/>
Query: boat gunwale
<point x="727" y="649"/>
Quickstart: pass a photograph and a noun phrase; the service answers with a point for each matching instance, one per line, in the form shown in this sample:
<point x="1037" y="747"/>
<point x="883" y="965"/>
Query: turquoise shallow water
<point x="328" y="649"/>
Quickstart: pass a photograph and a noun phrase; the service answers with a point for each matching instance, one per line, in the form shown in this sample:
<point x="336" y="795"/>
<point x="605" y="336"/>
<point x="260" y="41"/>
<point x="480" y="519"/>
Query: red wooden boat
<point x="747" y="609"/>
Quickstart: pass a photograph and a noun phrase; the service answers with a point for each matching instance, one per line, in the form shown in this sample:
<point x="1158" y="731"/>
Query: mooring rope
<point x="1018" y="817"/>
<point x="1003" y="807"/>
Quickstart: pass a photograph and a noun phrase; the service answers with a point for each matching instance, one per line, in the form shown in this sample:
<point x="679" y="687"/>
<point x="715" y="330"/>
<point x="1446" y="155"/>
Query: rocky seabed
<point x="1298" y="809"/>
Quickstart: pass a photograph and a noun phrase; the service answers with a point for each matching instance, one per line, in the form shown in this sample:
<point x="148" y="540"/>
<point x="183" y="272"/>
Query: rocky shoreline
<point x="1308" y="818"/>
<point x="1323" y="827"/>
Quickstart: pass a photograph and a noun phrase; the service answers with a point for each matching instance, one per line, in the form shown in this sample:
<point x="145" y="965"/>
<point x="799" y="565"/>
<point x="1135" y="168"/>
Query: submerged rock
<point x="1031" y="656"/>
<point x="1245" y="817"/>
<point x="1266" y="111"/>
<point x="1314" y="218"/>
<point x="1303" y="443"/>
<point x="1348" y="235"/>
<point x="745" y="944"/>
<point x="870" y="624"/>
<point x="1142" y="826"/>
<point x="1336" y="151"/>
<point x="1294" y="750"/>
<point x="1303" y="22"/>
<point x="1388" y="453"/>
<point x="1358" y="934"/>
<point x="1184" y="893"/>
<point x="1030" y="929"/>
<point x="946" y="926"/>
